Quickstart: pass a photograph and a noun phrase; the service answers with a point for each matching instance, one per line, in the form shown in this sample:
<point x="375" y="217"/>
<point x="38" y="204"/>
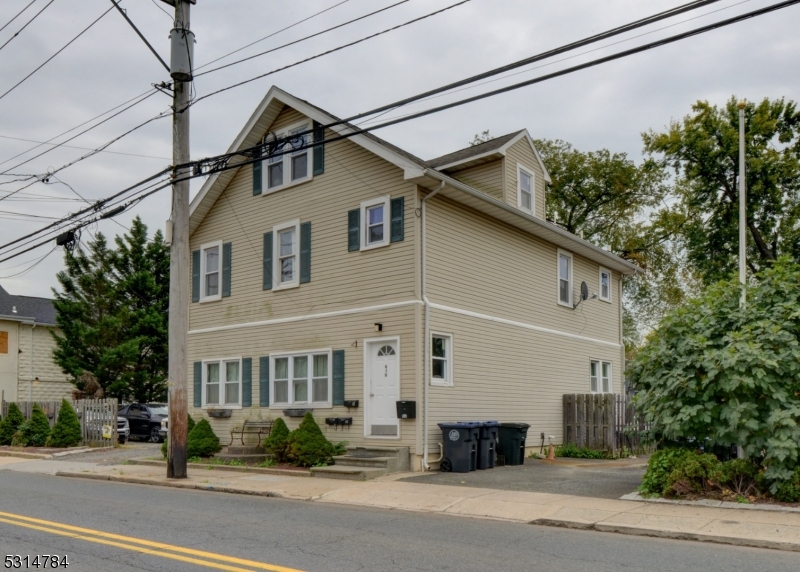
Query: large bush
<point x="67" y="430"/>
<point x="308" y="447"/>
<point x="713" y="374"/>
<point x="33" y="432"/>
<point x="277" y="441"/>
<point x="10" y="424"/>
<point x="202" y="442"/>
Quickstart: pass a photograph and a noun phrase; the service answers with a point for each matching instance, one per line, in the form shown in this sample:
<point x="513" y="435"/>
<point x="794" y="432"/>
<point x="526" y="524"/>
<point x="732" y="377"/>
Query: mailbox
<point x="406" y="409"/>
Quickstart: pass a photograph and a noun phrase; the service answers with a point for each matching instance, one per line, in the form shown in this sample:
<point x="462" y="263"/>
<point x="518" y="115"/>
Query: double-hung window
<point x="286" y="254"/>
<point x="222" y="382"/>
<point x="605" y="285"/>
<point x="441" y="359"/>
<point x="600" y="376"/>
<point x="525" y="189"/>
<point x="375" y="214"/>
<point x="301" y="378"/>
<point x="210" y="272"/>
<point x="293" y="164"/>
<point x="564" y="278"/>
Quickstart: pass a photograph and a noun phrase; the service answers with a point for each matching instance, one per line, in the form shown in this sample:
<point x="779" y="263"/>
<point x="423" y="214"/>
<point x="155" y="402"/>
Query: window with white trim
<point x="294" y="165"/>
<point x="375" y="230"/>
<point x="286" y="255"/>
<point x="441" y="359"/>
<point x="564" y="278"/>
<point x="211" y="272"/>
<point x="600" y="376"/>
<point x="222" y="382"/>
<point x="525" y="189"/>
<point x="301" y="378"/>
<point x="605" y="285"/>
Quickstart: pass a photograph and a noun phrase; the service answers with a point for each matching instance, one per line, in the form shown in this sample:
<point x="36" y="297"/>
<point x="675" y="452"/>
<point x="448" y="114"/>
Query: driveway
<point x="117" y="455"/>
<point x="579" y="477"/>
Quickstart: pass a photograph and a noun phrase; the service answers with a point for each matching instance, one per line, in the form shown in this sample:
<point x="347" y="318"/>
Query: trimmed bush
<point x="278" y="441"/>
<point x="10" y="424"/>
<point x="696" y="473"/>
<point x="662" y="463"/>
<point x="743" y="477"/>
<point x="190" y="426"/>
<point x="35" y="431"/>
<point x="202" y="441"/>
<point x="67" y="430"/>
<point x="308" y="447"/>
<point x="573" y="451"/>
<point x="789" y="491"/>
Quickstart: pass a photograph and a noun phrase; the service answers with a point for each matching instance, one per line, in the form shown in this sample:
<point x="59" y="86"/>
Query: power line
<point x="82" y="148"/>
<point x="20" y="82"/>
<point x="26" y="24"/>
<point x="152" y="49"/>
<point x="18" y="15"/>
<point x="29" y="268"/>
<point x="165" y="12"/>
<point x="342" y="25"/>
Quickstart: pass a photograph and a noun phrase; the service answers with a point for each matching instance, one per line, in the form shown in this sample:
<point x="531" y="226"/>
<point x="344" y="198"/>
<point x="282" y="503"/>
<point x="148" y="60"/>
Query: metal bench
<point x="252" y="428"/>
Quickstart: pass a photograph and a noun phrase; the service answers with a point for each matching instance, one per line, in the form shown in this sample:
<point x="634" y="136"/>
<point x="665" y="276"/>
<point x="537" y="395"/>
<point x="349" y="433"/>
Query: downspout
<point x="30" y="384"/>
<point x="427" y="332"/>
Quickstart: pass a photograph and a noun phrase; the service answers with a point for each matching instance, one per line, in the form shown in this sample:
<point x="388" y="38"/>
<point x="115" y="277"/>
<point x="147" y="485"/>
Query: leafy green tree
<point x="703" y="150"/>
<point x="202" y="441"/>
<point x="112" y="315"/>
<point x="10" y="423"/>
<point x="716" y="374"/>
<point x="67" y="430"/>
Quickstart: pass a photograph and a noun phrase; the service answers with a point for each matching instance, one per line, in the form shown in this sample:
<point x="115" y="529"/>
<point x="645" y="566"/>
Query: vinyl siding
<point x="521" y="152"/>
<point x="52" y="383"/>
<point x="487" y="177"/>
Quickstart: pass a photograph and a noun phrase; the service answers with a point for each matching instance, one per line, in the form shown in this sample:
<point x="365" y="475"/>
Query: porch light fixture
<point x="378" y="327"/>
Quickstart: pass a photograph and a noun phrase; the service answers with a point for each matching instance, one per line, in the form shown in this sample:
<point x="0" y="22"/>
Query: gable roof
<point x="27" y="308"/>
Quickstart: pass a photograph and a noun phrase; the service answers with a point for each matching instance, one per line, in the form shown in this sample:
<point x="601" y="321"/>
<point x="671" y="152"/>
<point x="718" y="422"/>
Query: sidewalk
<point x="755" y="528"/>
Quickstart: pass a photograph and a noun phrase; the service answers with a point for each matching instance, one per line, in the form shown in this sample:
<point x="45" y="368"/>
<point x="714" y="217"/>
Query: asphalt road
<point x="314" y="536"/>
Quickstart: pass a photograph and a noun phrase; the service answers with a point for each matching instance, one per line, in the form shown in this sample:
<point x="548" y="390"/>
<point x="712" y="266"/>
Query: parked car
<point x="123" y="430"/>
<point x="145" y="420"/>
<point x="164" y="428"/>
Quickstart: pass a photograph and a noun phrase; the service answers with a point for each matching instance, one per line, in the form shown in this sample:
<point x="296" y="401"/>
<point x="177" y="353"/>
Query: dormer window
<point x="293" y="165"/>
<point x="525" y="180"/>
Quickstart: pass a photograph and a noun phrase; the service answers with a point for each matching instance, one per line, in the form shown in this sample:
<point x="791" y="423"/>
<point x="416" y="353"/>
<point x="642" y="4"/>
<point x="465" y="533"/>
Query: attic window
<point x="525" y="189"/>
<point x="293" y="165"/>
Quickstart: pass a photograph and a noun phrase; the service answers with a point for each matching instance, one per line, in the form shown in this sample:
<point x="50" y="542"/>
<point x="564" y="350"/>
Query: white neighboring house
<point x="27" y="369"/>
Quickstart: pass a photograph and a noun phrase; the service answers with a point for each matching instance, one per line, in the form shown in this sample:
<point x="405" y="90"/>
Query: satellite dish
<point x="584" y="291"/>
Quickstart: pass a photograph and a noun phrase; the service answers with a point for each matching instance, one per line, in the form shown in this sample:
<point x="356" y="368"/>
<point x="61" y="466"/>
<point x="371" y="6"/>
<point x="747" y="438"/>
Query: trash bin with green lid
<point x="511" y="442"/>
<point x="460" y="447"/>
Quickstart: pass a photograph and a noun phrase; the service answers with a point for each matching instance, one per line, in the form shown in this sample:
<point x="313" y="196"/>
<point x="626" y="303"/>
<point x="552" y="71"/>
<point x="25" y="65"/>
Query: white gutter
<point x="427" y="332"/>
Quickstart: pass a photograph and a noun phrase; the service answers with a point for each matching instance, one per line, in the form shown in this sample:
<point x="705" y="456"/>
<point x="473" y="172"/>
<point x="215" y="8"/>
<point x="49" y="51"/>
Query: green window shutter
<point x="267" y="261"/>
<point x="305" y="252"/>
<point x="319" y="150"/>
<point x="198" y="384"/>
<point x="338" y="377"/>
<point x="258" y="178"/>
<point x="263" y="381"/>
<point x="196" y="276"/>
<point x="354" y="230"/>
<point x="247" y="382"/>
<point x="398" y="226"/>
<point x="227" y="259"/>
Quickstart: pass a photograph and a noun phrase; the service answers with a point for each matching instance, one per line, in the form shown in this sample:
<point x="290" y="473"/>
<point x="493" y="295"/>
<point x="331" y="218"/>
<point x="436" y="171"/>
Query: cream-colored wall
<point x="52" y="383"/>
<point x="487" y="177"/>
<point x="521" y="153"/>
<point x="8" y="361"/>
<point x="482" y="265"/>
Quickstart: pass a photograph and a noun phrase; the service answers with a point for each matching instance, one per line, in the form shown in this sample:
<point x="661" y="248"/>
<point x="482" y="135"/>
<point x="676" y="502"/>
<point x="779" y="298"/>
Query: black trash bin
<point x="511" y="443"/>
<point x="487" y="446"/>
<point x="460" y="447"/>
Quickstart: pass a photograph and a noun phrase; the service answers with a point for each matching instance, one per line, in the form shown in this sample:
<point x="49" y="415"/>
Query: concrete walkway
<point x="763" y="529"/>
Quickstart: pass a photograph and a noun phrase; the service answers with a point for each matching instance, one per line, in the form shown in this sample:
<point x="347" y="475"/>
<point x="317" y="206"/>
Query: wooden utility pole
<point x="742" y="206"/>
<point x="182" y="50"/>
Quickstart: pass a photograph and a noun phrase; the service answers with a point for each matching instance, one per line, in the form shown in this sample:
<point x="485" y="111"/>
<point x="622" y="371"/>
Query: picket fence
<point x="604" y="422"/>
<point x="98" y="417"/>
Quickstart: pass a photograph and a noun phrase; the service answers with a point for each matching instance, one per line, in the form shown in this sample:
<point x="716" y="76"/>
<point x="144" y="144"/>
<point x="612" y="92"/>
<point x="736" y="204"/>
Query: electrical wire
<point x="17" y="16"/>
<point x="26" y="24"/>
<point x="82" y="149"/>
<point x="31" y="267"/>
<point x="342" y="25"/>
<point x="165" y="12"/>
<point x="20" y="82"/>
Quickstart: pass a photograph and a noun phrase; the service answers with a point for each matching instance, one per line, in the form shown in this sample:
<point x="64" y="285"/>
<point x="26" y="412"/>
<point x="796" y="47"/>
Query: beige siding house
<point x="316" y="274"/>
<point x="27" y="369"/>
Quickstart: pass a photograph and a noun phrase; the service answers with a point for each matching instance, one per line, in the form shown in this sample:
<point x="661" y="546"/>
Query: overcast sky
<point x="607" y="106"/>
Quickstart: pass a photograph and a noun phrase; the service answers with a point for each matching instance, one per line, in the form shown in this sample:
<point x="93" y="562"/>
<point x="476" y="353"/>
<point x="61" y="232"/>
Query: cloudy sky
<point x="606" y="106"/>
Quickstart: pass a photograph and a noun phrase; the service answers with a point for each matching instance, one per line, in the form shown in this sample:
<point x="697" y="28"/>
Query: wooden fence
<point x="98" y="417"/>
<point x="604" y="422"/>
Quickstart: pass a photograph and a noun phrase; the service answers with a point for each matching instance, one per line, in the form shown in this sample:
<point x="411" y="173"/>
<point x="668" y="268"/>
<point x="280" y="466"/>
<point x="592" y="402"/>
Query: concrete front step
<point x="394" y="459"/>
<point x="348" y="473"/>
<point x="254" y="459"/>
<point x="243" y="450"/>
<point x="387" y="463"/>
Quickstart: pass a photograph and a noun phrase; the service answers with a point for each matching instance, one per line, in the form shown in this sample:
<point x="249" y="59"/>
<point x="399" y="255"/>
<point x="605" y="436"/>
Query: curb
<point x="636" y="497"/>
<point x="175" y="485"/>
<point x="22" y="455"/>
<point x="237" y="469"/>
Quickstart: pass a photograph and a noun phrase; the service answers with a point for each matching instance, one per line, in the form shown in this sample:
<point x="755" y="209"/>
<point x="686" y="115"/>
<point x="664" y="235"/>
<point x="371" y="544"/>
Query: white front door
<point x="383" y="389"/>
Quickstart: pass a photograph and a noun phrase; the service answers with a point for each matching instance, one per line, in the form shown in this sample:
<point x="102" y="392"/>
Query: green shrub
<point x="189" y="427"/>
<point x="67" y="430"/>
<point x="10" y="424"/>
<point x="278" y="441"/>
<point x="743" y="477"/>
<point x="308" y="447"/>
<point x="573" y="451"/>
<point x="695" y="473"/>
<point x="35" y="431"/>
<point x="659" y="468"/>
<point x="202" y="441"/>
<point x="789" y="490"/>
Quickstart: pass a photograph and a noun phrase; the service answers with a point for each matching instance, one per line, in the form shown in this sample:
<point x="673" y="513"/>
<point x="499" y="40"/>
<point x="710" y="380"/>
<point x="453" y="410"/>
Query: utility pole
<point x="742" y="207"/>
<point x="182" y="50"/>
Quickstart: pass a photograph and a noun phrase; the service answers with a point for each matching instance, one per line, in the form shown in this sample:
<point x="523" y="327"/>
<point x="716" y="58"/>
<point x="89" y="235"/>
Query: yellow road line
<point x="98" y="536"/>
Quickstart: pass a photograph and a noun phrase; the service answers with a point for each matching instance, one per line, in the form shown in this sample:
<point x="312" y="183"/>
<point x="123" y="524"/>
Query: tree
<point x="716" y="374"/>
<point x="67" y="430"/>
<point x="112" y="315"/>
<point x="703" y="150"/>
<point x="479" y="138"/>
<point x="10" y="424"/>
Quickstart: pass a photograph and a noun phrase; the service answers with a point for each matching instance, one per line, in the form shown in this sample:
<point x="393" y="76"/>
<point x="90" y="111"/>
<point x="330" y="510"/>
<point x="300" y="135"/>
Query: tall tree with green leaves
<point x="112" y="315"/>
